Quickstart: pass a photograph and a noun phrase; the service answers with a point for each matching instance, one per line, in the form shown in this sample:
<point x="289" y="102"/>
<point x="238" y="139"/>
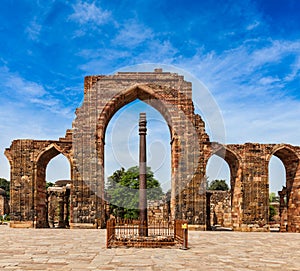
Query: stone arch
<point x="232" y="159"/>
<point x="40" y="195"/>
<point x="234" y="162"/>
<point x="291" y="161"/>
<point x="141" y="92"/>
<point x="50" y="151"/>
<point x="157" y="101"/>
<point x="171" y="96"/>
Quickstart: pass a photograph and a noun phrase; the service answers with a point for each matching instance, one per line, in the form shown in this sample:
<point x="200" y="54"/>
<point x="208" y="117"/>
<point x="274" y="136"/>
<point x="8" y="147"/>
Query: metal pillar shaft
<point x="142" y="176"/>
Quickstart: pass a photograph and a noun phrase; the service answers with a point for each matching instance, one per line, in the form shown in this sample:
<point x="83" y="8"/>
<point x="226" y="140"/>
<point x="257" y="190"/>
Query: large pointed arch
<point x="165" y="105"/>
<point x="170" y="95"/>
<point x="144" y="93"/>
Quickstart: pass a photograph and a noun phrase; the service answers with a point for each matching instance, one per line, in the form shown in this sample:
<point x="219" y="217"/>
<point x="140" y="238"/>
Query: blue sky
<point x="247" y="54"/>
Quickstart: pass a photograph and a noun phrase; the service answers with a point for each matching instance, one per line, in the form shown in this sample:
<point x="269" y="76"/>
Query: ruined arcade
<point x="191" y="148"/>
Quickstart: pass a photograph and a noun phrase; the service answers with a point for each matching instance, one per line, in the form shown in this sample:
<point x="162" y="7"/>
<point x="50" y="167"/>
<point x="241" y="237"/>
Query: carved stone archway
<point x="28" y="160"/>
<point x="172" y="97"/>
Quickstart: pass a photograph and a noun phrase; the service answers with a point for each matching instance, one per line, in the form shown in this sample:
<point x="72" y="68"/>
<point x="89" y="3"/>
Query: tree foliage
<point x="5" y="185"/>
<point x="122" y="191"/>
<point x="272" y="212"/>
<point x="218" y="185"/>
<point x="49" y="184"/>
<point x="273" y="197"/>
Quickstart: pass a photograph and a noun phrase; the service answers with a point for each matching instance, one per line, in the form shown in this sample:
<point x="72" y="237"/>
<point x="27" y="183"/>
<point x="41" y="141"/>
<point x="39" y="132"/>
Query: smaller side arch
<point x="234" y="162"/>
<point x="39" y="190"/>
<point x="49" y="152"/>
<point x="291" y="161"/>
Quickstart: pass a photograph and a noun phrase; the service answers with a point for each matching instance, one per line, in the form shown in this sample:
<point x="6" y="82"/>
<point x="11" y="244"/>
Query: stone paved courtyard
<point x="58" y="249"/>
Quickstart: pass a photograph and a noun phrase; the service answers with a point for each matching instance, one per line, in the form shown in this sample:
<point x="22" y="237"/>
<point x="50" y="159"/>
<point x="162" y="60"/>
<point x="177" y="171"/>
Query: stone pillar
<point x="143" y="176"/>
<point x="67" y="206"/>
<point x="61" y="202"/>
<point x="282" y="210"/>
<point x="51" y="208"/>
<point x="208" y="222"/>
<point x="255" y="186"/>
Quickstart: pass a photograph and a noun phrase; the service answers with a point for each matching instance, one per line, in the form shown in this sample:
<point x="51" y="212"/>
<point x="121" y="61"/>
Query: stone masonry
<point x="191" y="148"/>
<point x="219" y="203"/>
<point x="4" y="204"/>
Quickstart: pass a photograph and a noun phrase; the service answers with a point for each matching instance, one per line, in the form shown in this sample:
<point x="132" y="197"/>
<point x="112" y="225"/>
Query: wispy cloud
<point x="33" y="30"/>
<point x="132" y="34"/>
<point x="20" y="90"/>
<point x="85" y="13"/>
<point x="246" y="91"/>
<point x="253" y="25"/>
<point x="99" y="61"/>
<point x="14" y="83"/>
<point x="245" y="68"/>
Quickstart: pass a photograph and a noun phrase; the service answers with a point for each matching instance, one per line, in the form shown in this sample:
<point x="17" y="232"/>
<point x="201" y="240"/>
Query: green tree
<point x="49" y="184"/>
<point x="273" y="197"/>
<point x="218" y="185"/>
<point x="5" y="185"/>
<point x="272" y="212"/>
<point x="123" y="194"/>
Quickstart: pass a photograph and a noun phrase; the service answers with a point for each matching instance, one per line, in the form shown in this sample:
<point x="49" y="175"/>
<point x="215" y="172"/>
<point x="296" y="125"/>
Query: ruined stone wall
<point x="28" y="161"/>
<point x="171" y="95"/>
<point x="158" y="210"/>
<point x="220" y="209"/>
<point x="252" y="198"/>
<point x="4" y="205"/>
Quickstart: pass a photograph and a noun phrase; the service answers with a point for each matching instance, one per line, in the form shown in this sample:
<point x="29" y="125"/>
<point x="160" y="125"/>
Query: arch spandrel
<point x="282" y="151"/>
<point x="163" y="102"/>
<point x="46" y="154"/>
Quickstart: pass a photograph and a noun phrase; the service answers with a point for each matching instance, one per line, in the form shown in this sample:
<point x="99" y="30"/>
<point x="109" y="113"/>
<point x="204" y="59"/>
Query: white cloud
<point x="274" y="52"/>
<point x="33" y="30"/>
<point x="256" y="105"/>
<point x="99" y="60"/>
<point x="241" y="67"/>
<point x="133" y="34"/>
<point x="253" y="25"/>
<point x="89" y="13"/>
<point x="12" y="82"/>
<point x="44" y="102"/>
<point x="30" y="95"/>
<point x="268" y="80"/>
<point x="295" y="73"/>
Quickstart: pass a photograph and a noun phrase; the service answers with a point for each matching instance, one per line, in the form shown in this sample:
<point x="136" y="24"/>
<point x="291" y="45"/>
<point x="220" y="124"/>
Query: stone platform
<point x="61" y="249"/>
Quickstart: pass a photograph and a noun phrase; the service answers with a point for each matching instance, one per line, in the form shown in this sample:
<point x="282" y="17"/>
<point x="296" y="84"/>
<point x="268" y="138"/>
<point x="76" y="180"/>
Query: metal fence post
<point x="185" y="236"/>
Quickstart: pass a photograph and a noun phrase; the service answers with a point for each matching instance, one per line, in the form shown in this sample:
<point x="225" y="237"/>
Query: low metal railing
<point x="130" y="233"/>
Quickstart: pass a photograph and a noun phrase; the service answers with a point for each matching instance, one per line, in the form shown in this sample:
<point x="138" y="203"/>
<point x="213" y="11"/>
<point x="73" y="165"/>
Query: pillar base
<point x="21" y="224"/>
<point x="82" y="226"/>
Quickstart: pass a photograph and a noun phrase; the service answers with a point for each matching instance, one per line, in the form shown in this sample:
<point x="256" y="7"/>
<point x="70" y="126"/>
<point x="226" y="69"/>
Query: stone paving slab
<point x="62" y="249"/>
